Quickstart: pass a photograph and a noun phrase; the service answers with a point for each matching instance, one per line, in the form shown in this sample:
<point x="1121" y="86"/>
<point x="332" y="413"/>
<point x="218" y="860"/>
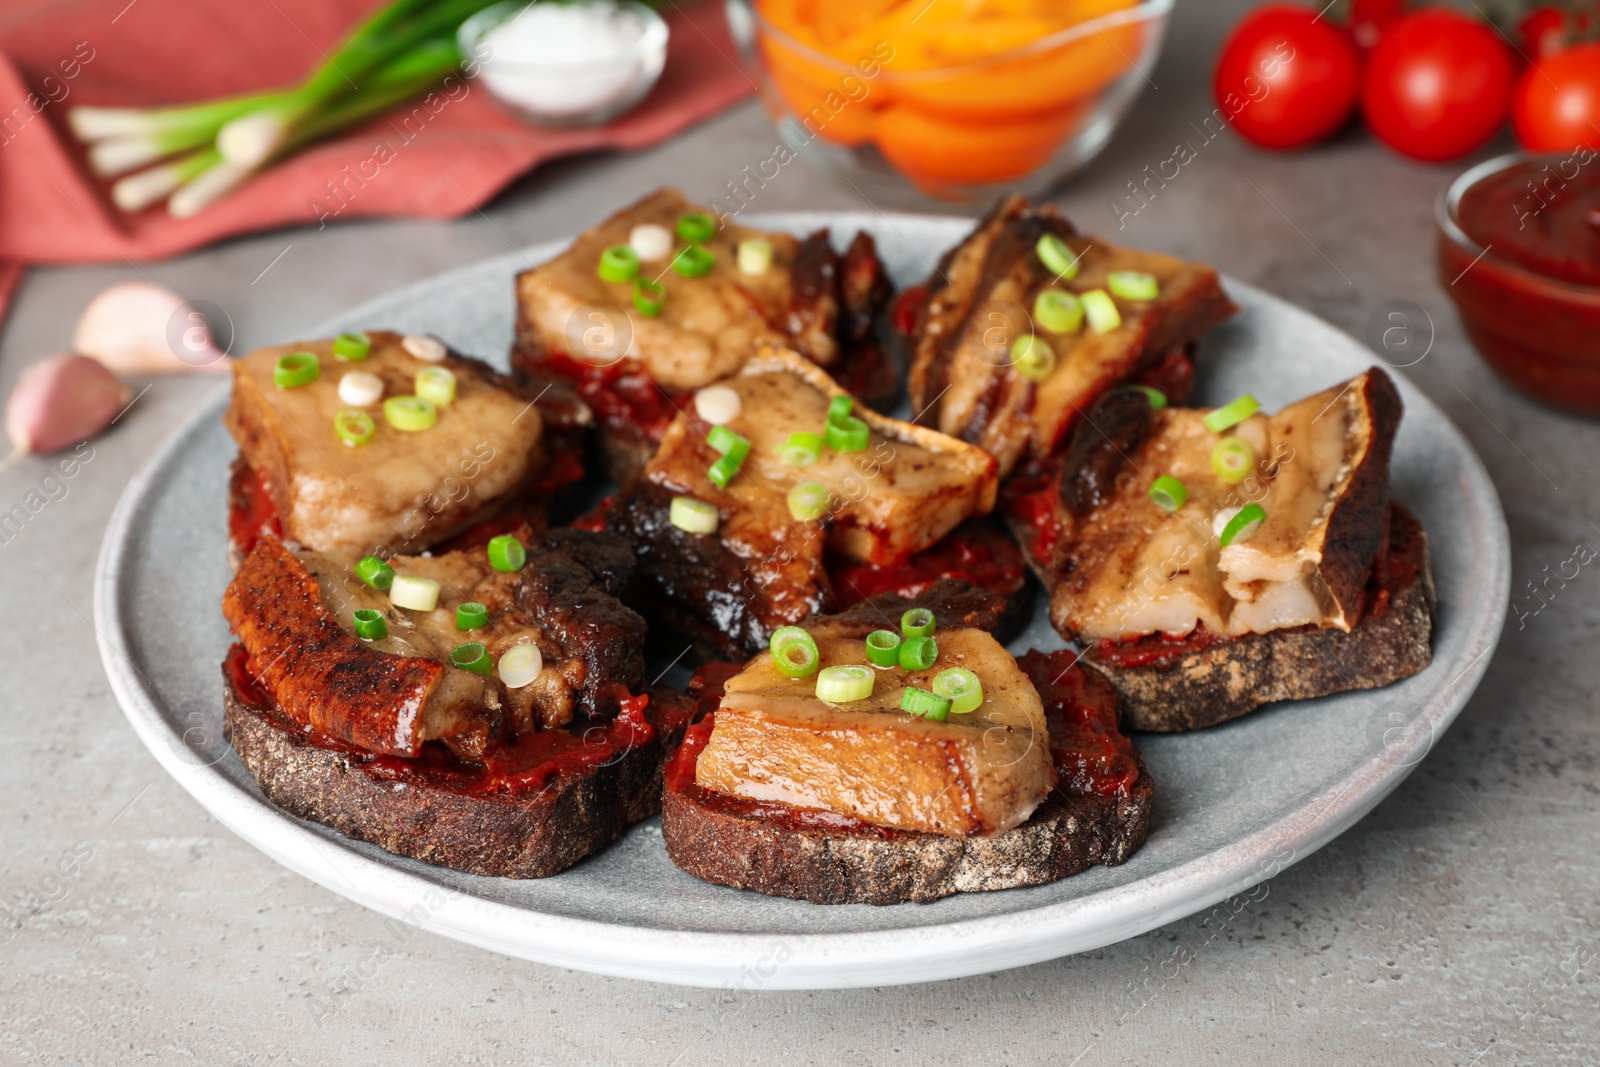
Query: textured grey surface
<point x="1455" y="925"/>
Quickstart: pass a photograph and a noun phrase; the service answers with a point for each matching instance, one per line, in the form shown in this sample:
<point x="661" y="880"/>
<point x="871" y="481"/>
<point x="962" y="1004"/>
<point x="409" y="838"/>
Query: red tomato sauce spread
<point x="1091" y="754"/>
<point x="252" y="513"/>
<point x="1540" y="217"/>
<point x="526" y="764"/>
<point x="975" y="552"/>
<point x="621" y="394"/>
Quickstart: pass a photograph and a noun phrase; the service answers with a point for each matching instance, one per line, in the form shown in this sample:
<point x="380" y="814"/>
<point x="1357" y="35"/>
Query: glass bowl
<point x="583" y="92"/>
<point x="1539" y="333"/>
<point x="887" y="113"/>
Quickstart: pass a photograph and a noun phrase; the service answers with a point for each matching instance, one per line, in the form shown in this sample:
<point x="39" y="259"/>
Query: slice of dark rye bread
<point x="1186" y="685"/>
<point x="831" y="859"/>
<point x="532" y="833"/>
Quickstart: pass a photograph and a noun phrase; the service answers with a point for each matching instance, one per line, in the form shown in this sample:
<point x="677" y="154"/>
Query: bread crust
<point x="533" y="835"/>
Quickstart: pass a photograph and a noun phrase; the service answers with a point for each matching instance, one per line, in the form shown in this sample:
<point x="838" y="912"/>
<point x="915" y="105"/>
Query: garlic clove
<point x="61" y="400"/>
<point x="136" y="328"/>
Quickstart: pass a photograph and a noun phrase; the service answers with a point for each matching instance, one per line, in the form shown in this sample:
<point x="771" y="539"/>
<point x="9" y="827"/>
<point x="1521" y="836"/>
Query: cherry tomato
<point x="1286" y="78"/>
<point x="1557" y="103"/>
<point x="1543" y="32"/>
<point x="1437" y="85"/>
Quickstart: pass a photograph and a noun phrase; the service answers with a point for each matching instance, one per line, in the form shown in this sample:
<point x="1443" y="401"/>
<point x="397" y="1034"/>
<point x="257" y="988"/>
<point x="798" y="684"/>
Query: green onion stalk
<point x="202" y="151"/>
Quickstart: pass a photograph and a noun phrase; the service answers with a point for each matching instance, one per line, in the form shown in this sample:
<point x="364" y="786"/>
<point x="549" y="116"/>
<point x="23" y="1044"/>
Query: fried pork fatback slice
<point x="974" y="774"/>
<point x="982" y="299"/>
<point x="402" y="490"/>
<point x="903" y="492"/>
<point x="1125" y="567"/>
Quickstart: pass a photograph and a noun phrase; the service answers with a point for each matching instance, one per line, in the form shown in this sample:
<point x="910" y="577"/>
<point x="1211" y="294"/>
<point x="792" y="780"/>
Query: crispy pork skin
<point x="980" y="301"/>
<point x="401" y="491"/>
<point x="775" y="741"/>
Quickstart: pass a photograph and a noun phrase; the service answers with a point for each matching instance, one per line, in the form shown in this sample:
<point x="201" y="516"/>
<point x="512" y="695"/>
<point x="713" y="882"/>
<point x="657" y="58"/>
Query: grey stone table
<point x="1455" y="925"/>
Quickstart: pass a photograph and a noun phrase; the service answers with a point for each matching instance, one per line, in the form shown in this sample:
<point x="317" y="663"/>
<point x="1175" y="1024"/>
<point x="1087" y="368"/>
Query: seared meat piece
<point x="981" y="300"/>
<point x="763" y="568"/>
<point x="400" y="491"/>
<point x="637" y="371"/>
<point x="955" y="605"/>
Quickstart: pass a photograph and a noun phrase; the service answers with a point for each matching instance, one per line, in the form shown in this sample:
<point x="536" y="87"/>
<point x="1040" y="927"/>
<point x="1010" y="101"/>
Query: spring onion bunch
<point x="192" y="155"/>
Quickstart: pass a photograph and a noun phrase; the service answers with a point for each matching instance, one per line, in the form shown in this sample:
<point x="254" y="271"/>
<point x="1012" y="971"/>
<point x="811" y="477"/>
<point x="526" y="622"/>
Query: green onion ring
<point x="472" y="656"/>
<point x="1057" y="257"/>
<point x="1033" y="357"/>
<point x="506" y="554"/>
<point x="755" y="256"/>
<point x="809" y="501"/>
<point x="731" y="444"/>
<point x="296" y="369"/>
<point x="376" y="573"/>
<point x="1133" y="285"/>
<point x="694" y="261"/>
<point x="1231" y="414"/>
<point x="801" y="449"/>
<point x="794" y="652"/>
<point x="848" y="434"/>
<point x="1101" y="311"/>
<point x="918" y="622"/>
<point x="410" y="413"/>
<point x="722" y="471"/>
<point x="697" y="227"/>
<point x="961" y="687"/>
<point x="1244" y="525"/>
<point x="351" y="347"/>
<point x="1058" y="311"/>
<point x="649" y="297"/>
<point x="883" y="648"/>
<point x="354" y="426"/>
<point x="693" y="516"/>
<point x="1167" y="493"/>
<point x="927" y="705"/>
<point x="370" y="625"/>
<point x="839" y="408"/>
<point x="413" y="593"/>
<point x="471" y="616"/>
<point x="619" y="263"/>
<point x="1157" y="398"/>
<point x="1232" y="460"/>
<point x="436" y="385"/>
<point x="918" y="653"/>
<point x="845" y="683"/>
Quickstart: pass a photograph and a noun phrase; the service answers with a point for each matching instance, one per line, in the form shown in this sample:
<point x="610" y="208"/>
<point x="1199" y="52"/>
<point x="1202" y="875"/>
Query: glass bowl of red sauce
<point x="1519" y="254"/>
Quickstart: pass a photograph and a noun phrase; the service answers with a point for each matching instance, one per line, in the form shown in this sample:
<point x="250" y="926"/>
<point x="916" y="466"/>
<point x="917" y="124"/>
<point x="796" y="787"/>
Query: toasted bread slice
<point x="981" y="300"/>
<point x="1185" y="685"/>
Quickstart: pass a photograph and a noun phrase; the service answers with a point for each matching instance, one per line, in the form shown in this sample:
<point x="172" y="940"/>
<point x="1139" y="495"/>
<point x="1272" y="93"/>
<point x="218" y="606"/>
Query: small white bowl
<point x="565" y="94"/>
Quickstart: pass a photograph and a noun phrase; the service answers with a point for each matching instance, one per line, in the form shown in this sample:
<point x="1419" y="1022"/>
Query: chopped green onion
<point x="731" y="444"/>
<point x="1232" y="459"/>
<point x="354" y="426"/>
<point x="918" y="653"/>
<point x="436" y="385"/>
<point x="358" y="388"/>
<point x="755" y="256"/>
<point x="883" y="648"/>
<point x="848" y="434"/>
<point x="801" y="449"/>
<point x="697" y="226"/>
<point x="694" y="261"/>
<point x="1058" y="311"/>
<point x="1057" y="257"/>
<point x="845" y="683"/>
<point x="808" y="501"/>
<point x="472" y="656"/>
<point x="1231" y="414"/>
<point x="411" y="413"/>
<point x="794" y="652"/>
<point x="923" y="703"/>
<point x="1157" y="398"/>
<point x="351" y="347"/>
<point x="370" y="625"/>
<point x="918" y="622"/>
<point x="1243" y="525"/>
<point x="619" y="263"/>
<point x="520" y="665"/>
<point x="722" y="471"/>
<point x="961" y="687"/>
<point x="296" y="369"/>
<point x="375" y="572"/>
<point x="718" y="404"/>
<point x="840" y="407"/>
<point x="1101" y="311"/>
<point x="506" y="554"/>
<point x="1167" y="493"/>
<point x="649" y="297"/>
<point x="1033" y="357"/>
<point x="1133" y="285"/>
<point x="695" y="516"/>
<point x="423" y="347"/>
<point x="652" y="242"/>
<point x="415" y="594"/>
<point x="471" y="616"/>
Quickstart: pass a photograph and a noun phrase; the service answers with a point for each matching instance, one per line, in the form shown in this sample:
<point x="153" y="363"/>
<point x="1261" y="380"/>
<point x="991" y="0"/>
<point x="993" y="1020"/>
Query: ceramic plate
<point x="1234" y="804"/>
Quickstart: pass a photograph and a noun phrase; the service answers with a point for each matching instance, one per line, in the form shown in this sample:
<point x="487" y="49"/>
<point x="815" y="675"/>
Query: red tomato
<point x="1557" y="103"/>
<point x="1543" y="32"/>
<point x="1285" y="78"/>
<point x="1438" y="85"/>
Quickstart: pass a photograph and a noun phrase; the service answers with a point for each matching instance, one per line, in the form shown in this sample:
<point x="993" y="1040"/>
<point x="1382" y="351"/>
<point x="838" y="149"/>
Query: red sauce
<point x="1033" y="498"/>
<point x="526" y="764"/>
<point x="906" y="308"/>
<point x="1091" y="754"/>
<point x="252" y="512"/>
<point x="1155" y="650"/>
<point x="974" y="552"/>
<point x="622" y="395"/>
<point x="1543" y="216"/>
